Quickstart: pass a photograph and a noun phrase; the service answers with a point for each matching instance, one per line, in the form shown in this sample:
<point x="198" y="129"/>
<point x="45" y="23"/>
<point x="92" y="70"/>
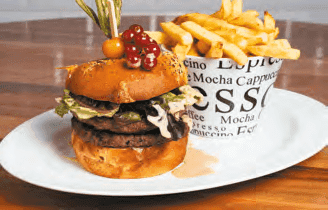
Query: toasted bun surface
<point x="111" y="80"/>
<point x="128" y="163"/>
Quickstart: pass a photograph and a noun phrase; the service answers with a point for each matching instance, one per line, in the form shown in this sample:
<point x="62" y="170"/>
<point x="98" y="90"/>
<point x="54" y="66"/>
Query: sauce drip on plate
<point x="196" y="163"/>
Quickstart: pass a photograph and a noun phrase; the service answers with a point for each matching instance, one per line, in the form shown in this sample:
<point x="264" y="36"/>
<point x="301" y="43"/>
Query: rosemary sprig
<point x="118" y="9"/>
<point x="89" y="11"/>
<point x="102" y="19"/>
<point x="102" y="16"/>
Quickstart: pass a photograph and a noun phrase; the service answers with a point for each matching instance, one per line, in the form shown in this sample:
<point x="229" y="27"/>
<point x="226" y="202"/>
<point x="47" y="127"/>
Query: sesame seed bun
<point x="111" y="80"/>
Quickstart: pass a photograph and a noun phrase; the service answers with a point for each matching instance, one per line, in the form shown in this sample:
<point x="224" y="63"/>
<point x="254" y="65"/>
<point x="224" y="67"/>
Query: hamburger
<point x="128" y="123"/>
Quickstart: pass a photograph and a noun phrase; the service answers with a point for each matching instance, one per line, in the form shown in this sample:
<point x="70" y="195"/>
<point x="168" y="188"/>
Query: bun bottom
<point x="129" y="163"/>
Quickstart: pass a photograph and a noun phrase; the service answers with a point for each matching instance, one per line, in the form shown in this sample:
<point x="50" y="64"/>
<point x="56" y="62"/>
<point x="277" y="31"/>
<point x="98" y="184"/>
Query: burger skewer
<point x="114" y="47"/>
<point x="112" y="19"/>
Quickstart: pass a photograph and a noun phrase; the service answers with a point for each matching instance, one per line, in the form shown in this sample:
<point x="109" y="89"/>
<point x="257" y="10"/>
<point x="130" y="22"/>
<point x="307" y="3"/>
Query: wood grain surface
<point x="31" y="51"/>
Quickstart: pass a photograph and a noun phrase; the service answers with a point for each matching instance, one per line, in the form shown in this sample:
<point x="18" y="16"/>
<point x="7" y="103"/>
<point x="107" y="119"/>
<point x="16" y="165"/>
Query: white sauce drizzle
<point x="187" y="119"/>
<point x="139" y="150"/>
<point x="160" y="121"/>
<point x="176" y="107"/>
<point x="190" y="95"/>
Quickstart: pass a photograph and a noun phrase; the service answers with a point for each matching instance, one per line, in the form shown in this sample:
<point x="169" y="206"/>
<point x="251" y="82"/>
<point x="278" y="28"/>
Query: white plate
<point x="293" y="129"/>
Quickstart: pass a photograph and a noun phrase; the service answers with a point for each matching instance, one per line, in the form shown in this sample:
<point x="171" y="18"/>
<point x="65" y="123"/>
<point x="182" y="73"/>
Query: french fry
<point x="203" y="47"/>
<point x="276" y="33"/>
<point x="273" y="35"/>
<point x="264" y="37"/>
<point x="177" y="33"/>
<point x="193" y="51"/>
<point x="269" y="22"/>
<point x="252" y="13"/>
<point x="276" y="52"/>
<point x="180" y="19"/>
<point x="201" y="33"/>
<point x="181" y="50"/>
<point x="241" y="41"/>
<point x="236" y="8"/>
<point x="235" y="53"/>
<point x="159" y="37"/>
<point x="260" y="24"/>
<point x="254" y="37"/>
<point x="225" y="10"/>
<point x="234" y="38"/>
<point x="211" y="23"/>
<point x="209" y="37"/>
<point x="215" y="51"/>
<point x="249" y="21"/>
<point x="283" y="43"/>
<point x="228" y="33"/>
<point x="162" y="38"/>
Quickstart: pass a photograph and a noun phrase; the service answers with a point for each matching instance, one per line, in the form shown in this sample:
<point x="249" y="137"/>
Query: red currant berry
<point x="130" y="48"/>
<point x="149" y="62"/>
<point x="153" y="48"/>
<point x="133" y="60"/>
<point x="141" y="39"/>
<point x="152" y="41"/>
<point x="128" y="35"/>
<point x="136" y="28"/>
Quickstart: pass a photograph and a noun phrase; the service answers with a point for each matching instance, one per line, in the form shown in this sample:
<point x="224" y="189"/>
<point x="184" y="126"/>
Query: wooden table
<point x="29" y="82"/>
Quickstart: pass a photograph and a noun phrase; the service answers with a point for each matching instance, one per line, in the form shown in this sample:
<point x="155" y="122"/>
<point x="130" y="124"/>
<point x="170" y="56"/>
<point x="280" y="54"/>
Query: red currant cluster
<point x="140" y="49"/>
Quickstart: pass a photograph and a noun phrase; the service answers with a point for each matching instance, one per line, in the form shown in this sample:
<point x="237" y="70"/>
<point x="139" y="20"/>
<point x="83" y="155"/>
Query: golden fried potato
<point x="211" y="38"/>
<point x="273" y="35"/>
<point x="283" y="43"/>
<point x="276" y="52"/>
<point x="234" y="38"/>
<point x="210" y="23"/>
<point x="203" y="47"/>
<point x="159" y="37"/>
<point x="177" y="33"/>
<point x="269" y="22"/>
<point x="193" y="51"/>
<point x="225" y="10"/>
<point x="228" y="33"/>
<point x="201" y="33"/>
<point x="216" y="50"/>
<point x="249" y="21"/>
<point x="236" y="8"/>
<point x="181" y="50"/>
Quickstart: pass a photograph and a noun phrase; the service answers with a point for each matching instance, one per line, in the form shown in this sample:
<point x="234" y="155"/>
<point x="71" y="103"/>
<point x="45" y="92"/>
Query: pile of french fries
<point x="229" y="33"/>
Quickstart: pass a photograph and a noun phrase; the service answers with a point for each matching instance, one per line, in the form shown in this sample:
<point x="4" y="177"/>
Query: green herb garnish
<point x="102" y="19"/>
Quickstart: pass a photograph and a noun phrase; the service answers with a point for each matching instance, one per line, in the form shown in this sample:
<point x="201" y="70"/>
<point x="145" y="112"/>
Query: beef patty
<point x="99" y="106"/>
<point x="119" y="123"/>
<point x="106" y="138"/>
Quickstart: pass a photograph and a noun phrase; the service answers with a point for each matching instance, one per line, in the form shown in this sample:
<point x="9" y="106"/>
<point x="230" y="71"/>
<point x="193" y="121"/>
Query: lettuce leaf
<point x="132" y="116"/>
<point x="174" y="103"/>
<point x="169" y="101"/>
<point x="67" y="103"/>
<point x="62" y="109"/>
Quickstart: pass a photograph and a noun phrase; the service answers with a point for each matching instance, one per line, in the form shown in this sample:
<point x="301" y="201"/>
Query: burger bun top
<point x="111" y="80"/>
